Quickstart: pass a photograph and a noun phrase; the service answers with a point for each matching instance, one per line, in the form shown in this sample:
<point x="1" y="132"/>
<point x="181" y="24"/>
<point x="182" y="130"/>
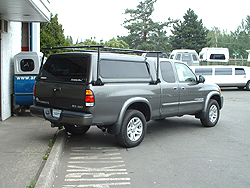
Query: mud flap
<point x="114" y="129"/>
<point x="201" y="115"/>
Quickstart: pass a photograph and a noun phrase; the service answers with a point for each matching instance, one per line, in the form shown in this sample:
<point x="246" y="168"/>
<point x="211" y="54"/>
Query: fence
<point x="237" y="62"/>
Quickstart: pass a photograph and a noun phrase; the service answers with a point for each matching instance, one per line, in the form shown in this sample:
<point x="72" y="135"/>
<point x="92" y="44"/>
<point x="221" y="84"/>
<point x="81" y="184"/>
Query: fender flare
<point x="115" y="128"/>
<point x="210" y="95"/>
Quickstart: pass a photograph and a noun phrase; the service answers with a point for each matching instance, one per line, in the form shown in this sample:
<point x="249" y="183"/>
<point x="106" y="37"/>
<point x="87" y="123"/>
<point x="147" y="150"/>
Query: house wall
<point x="10" y="46"/>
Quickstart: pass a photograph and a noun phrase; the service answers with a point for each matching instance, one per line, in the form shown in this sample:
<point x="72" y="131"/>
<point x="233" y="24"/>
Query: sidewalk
<point x="24" y="141"/>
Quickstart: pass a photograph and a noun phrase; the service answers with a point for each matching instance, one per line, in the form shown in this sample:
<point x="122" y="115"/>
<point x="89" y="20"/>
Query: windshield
<point x="66" y="67"/>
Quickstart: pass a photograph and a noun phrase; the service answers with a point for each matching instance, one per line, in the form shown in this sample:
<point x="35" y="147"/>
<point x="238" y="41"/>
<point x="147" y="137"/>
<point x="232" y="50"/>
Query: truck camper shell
<point x="190" y="57"/>
<point x="214" y="55"/>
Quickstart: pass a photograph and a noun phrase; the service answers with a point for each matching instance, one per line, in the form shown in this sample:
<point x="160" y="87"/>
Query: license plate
<point x="56" y="113"/>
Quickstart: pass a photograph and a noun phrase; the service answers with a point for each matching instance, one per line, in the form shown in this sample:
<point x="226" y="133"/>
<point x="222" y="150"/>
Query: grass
<point x="32" y="184"/>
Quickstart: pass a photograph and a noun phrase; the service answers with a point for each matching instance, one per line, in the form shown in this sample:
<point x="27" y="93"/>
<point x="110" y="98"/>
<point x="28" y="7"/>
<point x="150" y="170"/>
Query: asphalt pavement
<point x="24" y="141"/>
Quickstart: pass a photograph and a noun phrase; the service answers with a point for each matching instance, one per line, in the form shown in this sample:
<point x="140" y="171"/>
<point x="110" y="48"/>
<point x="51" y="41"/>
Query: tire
<point x="133" y="129"/>
<point x="248" y="86"/>
<point x="212" y="114"/>
<point x="75" y="130"/>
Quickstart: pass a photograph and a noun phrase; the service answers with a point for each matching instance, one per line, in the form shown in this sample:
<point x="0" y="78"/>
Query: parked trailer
<point x="26" y="68"/>
<point x="214" y="55"/>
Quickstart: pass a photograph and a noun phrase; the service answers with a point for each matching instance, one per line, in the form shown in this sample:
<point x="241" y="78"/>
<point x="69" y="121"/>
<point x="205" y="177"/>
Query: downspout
<point x="31" y="37"/>
<point x="1" y="77"/>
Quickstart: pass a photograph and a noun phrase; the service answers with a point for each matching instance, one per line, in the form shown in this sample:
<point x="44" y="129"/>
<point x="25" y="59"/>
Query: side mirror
<point x="201" y="79"/>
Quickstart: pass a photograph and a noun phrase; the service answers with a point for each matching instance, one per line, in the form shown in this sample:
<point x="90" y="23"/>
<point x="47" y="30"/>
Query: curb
<point x="48" y="174"/>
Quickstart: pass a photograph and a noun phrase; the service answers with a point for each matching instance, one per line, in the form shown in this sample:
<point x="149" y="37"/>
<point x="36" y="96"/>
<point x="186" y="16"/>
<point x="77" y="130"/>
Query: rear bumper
<point x="67" y="117"/>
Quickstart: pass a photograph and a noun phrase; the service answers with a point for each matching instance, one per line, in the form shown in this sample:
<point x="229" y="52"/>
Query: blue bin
<point x="26" y="68"/>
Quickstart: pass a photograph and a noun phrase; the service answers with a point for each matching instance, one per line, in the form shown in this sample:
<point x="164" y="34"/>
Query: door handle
<point x="183" y="88"/>
<point x="175" y="88"/>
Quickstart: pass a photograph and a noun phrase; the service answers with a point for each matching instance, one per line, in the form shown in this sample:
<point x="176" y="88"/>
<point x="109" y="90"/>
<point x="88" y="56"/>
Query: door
<point x="191" y="92"/>
<point x="170" y="92"/>
<point x="240" y="77"/>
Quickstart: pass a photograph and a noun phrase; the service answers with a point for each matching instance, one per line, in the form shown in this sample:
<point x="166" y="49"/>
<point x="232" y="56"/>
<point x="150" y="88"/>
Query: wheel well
<point x="217" y="98"/>
<point x="143" y="108"/>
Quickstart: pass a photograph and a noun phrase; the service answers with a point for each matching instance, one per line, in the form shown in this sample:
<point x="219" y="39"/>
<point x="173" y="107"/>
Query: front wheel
<point x="133" y="129"/>
<point x="212" y="114"/>
<point x="76" y="130"/>
<point x="248" y="86"/>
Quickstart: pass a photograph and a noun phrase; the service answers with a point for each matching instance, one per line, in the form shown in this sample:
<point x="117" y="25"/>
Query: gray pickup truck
<point x="120" y="93"/>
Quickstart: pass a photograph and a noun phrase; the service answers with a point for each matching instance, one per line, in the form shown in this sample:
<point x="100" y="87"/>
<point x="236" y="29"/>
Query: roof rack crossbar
<point x="71" y="47"/>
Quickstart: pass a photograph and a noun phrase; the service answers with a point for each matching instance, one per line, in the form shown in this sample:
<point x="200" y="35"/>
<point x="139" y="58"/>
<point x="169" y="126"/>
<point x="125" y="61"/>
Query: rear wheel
<point x="133" y="129"/>
<point x="76" y="130"/>
<point x="212" y="114"/>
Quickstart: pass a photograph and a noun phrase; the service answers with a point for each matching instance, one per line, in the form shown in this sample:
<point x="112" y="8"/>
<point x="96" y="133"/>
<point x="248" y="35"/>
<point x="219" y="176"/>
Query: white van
<point x="188" y="56"/>
<point x="225" y="76"/>
<point x="214" y="55"/>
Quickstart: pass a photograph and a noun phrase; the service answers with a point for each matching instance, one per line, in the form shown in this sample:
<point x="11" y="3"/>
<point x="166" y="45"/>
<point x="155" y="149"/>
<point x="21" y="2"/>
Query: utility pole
<point x="216" y="38"/>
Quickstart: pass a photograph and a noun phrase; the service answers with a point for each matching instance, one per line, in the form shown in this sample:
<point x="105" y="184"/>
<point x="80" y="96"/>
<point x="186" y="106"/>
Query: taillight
<point x="89" y="98"/>
<point x="34" y="90"/>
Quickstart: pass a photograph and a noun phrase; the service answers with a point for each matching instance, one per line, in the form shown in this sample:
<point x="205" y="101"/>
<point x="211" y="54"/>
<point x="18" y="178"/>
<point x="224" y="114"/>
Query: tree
<point x="144" y="33"/>
<point x="224" y="39"/>
<point x="189" y="34"/>
<point x="237" y="41"/>
<point x="113" y="43"/>
<point x="242" y="37"/>
<point x="51" y="34"/>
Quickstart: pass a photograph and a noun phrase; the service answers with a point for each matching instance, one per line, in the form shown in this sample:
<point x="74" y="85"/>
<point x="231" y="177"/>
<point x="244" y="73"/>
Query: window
<point x="203" y="71"/>
<point x="123" y="69"/>
<point x="186" y="57"/>
<point x="167" y="72"/>
<point x="67" y="67"/>
<point x="223" y="71"/>
<point x="194" y="57"/>
<point x="240" y="71"/>
<point x="184" y="73"/>
<point x="218" y="56"/>
<point x="201" y="56"/>
<point x="27" y="65"/>
<point x="178" y="57"/>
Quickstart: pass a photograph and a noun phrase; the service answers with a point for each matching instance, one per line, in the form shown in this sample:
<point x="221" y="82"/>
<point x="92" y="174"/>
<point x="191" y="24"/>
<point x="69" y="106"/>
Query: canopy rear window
<point x="218" y="56"/>
<point x="66" y="67"/>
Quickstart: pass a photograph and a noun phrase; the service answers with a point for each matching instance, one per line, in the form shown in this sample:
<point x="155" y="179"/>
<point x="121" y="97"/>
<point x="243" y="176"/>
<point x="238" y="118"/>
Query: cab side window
<point x="167" y="72"/>
<point x="184" y="73"/>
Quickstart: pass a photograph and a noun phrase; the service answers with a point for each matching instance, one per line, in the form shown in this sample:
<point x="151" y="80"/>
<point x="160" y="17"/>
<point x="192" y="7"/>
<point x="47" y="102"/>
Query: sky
<point x="103" y="19"/>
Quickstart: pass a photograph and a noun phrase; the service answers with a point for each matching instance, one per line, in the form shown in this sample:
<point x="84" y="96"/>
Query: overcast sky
<point x="103" y="19"/>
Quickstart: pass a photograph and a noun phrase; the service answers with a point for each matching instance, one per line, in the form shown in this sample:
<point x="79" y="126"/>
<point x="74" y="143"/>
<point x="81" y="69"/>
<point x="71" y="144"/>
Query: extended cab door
<point x="191" y="92"/>
<point x="169" y="89"/>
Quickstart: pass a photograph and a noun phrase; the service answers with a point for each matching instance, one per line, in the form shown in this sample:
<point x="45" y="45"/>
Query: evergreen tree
<point x="189" y="34"/>
<point x="51" y="34"/>
<point x="144" y="33"/>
